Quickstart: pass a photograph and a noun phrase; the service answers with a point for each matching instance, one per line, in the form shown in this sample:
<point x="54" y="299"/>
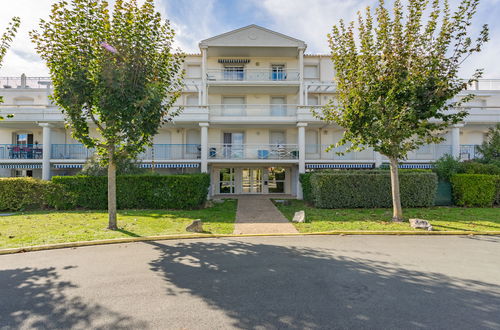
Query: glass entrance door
<point x="251" y="180"/>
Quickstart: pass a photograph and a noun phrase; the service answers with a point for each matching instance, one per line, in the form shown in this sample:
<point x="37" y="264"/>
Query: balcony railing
<point x="21" y="151"/>
<point x="318" y="152"/>
<point x="469" y="151"/>
<point x="171" y="152"/>
<point x="252" y="75"/>
<point x="485" y="85"/>
<point x="253" y="151"/>
<point x="253" y="110"/>
<point x="25" y="82"/>
<point x="70" y="151"/>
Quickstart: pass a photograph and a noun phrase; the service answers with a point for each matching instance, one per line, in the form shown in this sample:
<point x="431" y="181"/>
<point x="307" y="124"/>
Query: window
<point x="276" y="180"/>
<point x="233" y="106"/>
<point x="226" y="181"/>
<point x="233" y="145"/>
<point x="192" y="100"/>
<point x="311" y="72"/>
<point x="312" y="100"/>
<point x="193" y="71"/>
<point x="278" y="107"/>
<point x="234" y="73"/>
<point x="311" y="142"/>
<point x="24" y="138"/>
<point x="278" y="72"/>
<point x="277" y="137"/>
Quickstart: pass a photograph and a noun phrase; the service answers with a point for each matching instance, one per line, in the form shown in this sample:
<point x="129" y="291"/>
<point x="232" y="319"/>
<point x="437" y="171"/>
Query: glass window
<point x="278" y="72"/>
<point x="226" y="181"/>
<point x="234" y="73"/>
<point x="193" y="71"/>
<point x="276" y="180"/>
<point x="311" y="72"/>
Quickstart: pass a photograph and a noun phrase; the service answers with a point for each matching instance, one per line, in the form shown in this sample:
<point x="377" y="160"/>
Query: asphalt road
<point x="324" y="282"/>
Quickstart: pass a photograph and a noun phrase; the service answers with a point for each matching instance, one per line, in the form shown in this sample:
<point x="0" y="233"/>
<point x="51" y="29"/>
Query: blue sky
<point x="195" y="20"/>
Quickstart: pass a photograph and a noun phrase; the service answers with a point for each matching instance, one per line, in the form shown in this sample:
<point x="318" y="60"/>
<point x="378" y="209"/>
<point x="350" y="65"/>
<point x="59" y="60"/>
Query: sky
<point x="195" y="20"/>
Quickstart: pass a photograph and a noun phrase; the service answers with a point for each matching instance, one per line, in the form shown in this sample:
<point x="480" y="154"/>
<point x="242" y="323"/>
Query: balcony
<point x="21" y="151"/>
<point x="253" y="151"/>
<point x="253" y="110"/>
<point x="252" y="75"/>
<point x="318" y="152"/>
<point x="469" y="151"/>
<point x="171" y="152"/>
<point x="429" y="152"/>
<point x="25" y="82"/>
<point x="70" y="151"/>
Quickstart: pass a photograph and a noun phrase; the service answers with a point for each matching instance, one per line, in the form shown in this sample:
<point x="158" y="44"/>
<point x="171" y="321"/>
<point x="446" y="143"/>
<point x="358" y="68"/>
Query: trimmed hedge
<point x="305" y="181"/>
<point x="186" y="191"/>
<point x="371" y="189"/>
<point x="18" y="194"/>
<point x="480" y="190"/>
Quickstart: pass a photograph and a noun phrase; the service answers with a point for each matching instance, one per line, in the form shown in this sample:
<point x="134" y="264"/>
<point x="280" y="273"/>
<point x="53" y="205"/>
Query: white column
<point x="455" y="141"/>
<point x="46" y="150"/>
<point x="301" y="76"/>
<point x="204" y="147"/>
<point x="204" y="88"/>
<point x="302" y="156"/>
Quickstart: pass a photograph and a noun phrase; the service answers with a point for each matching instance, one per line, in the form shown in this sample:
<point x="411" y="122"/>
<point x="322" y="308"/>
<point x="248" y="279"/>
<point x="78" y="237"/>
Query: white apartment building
<point x="247" y="120"/>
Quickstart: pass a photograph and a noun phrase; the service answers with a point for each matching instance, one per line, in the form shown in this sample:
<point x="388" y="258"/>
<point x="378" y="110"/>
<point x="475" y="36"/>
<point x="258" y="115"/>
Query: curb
<point x="194" y="236"/>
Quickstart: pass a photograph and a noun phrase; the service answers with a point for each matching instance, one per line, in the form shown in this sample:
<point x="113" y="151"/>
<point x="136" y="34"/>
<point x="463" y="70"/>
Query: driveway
<point x="323" y="282"/>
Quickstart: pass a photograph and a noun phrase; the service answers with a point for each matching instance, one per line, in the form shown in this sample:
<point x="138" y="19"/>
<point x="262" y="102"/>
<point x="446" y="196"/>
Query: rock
<point x="420" y="224"/>
<point x="195" y="227"/>
<point x="299" y="216"/>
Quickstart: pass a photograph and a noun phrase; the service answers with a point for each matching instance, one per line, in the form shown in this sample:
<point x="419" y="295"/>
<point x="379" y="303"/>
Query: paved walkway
<point x="257" y="215"/>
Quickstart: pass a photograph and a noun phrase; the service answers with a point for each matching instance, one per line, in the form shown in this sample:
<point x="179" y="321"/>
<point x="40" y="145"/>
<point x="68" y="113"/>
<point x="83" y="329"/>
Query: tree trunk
<point x="112" y="191"/>
<point x="397" y="211"/>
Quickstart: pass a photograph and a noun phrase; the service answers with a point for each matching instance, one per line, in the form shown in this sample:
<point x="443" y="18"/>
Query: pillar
<point x="455" y="141"/>
<point x="204" y="147"/>
<point x="46" y="127"/>
<point x="302" y="156"/>
<point x="204" y="89"/>
<point x="301" y="76"/>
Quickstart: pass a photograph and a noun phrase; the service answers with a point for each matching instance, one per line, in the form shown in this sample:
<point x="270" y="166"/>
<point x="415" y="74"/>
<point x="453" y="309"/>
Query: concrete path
<point x="256" y="214"/>
<point x="299" y="282"/>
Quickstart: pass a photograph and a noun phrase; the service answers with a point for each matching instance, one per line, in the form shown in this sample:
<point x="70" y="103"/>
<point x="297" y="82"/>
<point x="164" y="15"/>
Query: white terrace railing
<point x="25" y="82"/>
<point x="253" y="110"/>
<point x="253" y="151"/>
<point x="251" y="75"/>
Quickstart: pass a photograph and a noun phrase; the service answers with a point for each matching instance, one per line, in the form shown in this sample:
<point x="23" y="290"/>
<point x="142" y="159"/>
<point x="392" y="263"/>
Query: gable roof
<point x="252" y="36"/>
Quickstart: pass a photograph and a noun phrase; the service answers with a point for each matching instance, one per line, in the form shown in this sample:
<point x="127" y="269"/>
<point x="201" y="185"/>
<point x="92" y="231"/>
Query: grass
<point x="441" y="218"/>
<point x="48" y="227"/>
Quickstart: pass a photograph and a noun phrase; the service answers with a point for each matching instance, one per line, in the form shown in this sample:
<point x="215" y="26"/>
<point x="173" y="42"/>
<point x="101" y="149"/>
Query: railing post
<point x="204" y="147"/>
<point x="46" y="150"/>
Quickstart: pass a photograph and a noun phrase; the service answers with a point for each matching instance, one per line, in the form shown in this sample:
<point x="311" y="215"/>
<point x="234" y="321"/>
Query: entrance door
<point x="251" y="181"/>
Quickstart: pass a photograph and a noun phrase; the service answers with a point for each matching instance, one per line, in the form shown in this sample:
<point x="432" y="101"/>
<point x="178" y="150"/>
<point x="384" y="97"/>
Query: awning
<point x="316" y="166"/>
<point x="423" y="166"/>
<point x="194" y="165"/>
<point x="68" y="166"/>
<point x="234" y="60"/>
<point x="21" y="166"/>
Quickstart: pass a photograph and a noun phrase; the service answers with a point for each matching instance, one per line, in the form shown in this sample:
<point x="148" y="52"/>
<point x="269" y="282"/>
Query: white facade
<point x="247" y="120"/>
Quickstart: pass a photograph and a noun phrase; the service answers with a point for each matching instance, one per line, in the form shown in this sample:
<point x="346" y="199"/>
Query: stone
<point x="195" y="227"/>
<point x="420" y="224"/>
<point x="299" y="216"/>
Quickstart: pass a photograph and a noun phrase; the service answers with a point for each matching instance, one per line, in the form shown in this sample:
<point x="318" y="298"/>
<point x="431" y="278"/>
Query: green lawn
<point x="47" y="227"/>
<point x="441" y="218"/>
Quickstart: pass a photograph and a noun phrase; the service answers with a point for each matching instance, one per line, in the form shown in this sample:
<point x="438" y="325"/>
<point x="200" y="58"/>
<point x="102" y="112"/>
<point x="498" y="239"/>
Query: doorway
<point x="252" y="180"/>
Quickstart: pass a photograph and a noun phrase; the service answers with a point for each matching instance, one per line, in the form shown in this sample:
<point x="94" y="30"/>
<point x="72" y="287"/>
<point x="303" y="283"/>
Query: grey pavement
<point x="314" y="282"/>
<point x="256" y="214"/>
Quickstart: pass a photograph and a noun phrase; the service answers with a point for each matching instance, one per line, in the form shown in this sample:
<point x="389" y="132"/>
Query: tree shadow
<point x="37" y="298"/>
<point x="271" y="286"/>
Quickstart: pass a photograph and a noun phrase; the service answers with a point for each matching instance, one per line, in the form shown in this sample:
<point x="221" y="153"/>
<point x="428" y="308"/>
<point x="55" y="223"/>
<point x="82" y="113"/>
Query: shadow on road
<point x="37" y="298"/>
<point x="269" y="286"/>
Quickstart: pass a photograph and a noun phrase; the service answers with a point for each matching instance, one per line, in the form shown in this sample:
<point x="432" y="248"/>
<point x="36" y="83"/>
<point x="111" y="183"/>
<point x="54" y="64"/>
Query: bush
<point x="476" y="189"/>
<point x="479" y="168"/>
<point x="124" y="166"/>
<point x="447" y="166"/>
<point x="186" y="191"/>
<point x="369" y="189"/>
<point x="17" y="194"/>
<point x="305" y="181"/>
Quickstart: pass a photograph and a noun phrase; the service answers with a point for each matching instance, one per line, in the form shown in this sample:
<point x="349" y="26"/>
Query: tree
<point x="5" y="41"/>
<point x="115" y="71"/>
<point x="490" y="148"/>
<point x="396" y="79"/>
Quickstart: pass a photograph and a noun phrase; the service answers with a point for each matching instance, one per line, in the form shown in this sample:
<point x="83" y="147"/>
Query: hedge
<point x="185" y="191"/>
<point x="480" y="190"/>
<point x="370" y="189"/>
<point x="305" y="181"/>
<point x="18" y="194"/>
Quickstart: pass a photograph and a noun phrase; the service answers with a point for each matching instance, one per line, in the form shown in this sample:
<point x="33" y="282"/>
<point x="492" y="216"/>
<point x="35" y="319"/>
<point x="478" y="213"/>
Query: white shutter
<point x="311" y="72"/>
<point x="193" y="71"/>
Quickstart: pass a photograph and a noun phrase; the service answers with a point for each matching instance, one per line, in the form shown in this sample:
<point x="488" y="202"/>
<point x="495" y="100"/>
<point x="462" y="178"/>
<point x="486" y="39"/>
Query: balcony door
<point x="233" y="106"/>
<point x="233" y="145"/>
<point x="278" y="107"/>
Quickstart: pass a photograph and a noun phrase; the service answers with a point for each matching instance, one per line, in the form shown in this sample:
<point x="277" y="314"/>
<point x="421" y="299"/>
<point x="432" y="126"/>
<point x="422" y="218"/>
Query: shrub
<point x="479" y="168"/>
<point x="124" y="166"/>
<point x="17" y="194"/>
<point x="305" y="181"/>
<point x="184" y="191"/>
<point x="447" y="166"/>
<point x="475" y="189"/>
<point x="490" y="149"/>
<point x="369" y="189"/>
